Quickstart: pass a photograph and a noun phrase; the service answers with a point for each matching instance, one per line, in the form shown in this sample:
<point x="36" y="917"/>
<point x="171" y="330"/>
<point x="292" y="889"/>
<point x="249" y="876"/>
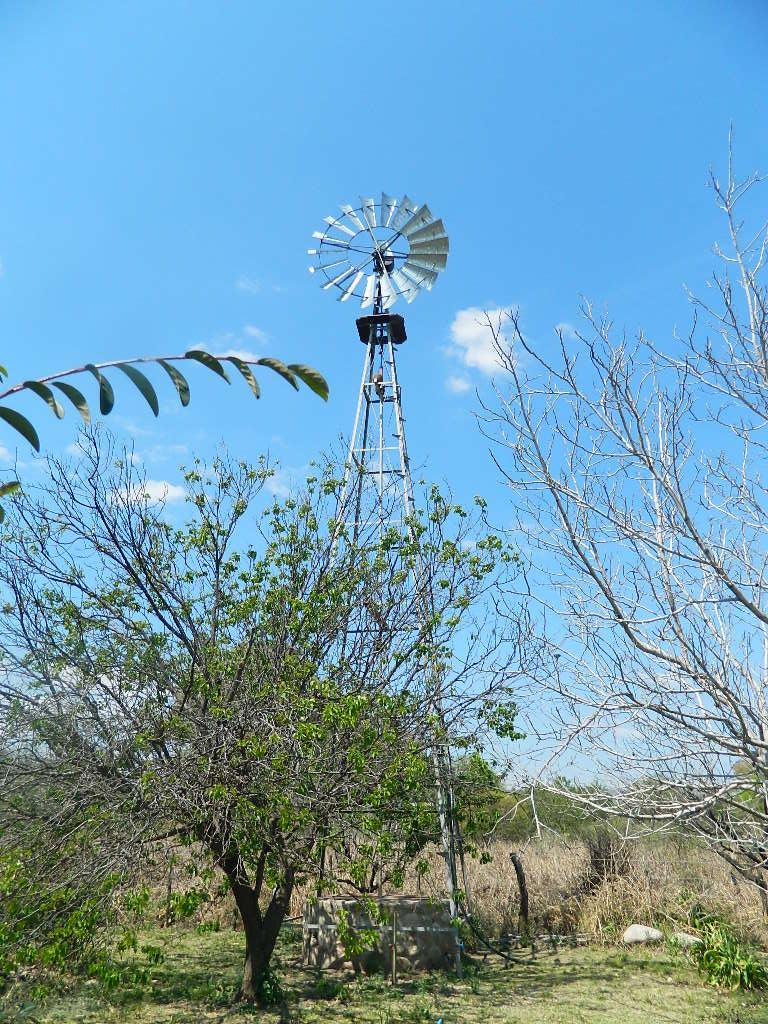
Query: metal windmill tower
<point x="379" y="252"/>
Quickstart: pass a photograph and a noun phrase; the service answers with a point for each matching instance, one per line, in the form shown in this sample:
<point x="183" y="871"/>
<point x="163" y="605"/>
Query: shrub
<point x="52" y="927"/>
<point x="724" y="960"/>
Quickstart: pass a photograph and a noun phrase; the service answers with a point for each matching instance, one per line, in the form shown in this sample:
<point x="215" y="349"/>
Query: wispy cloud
<point x="472" y="338"/>
<point x="5" y="454"/>
<point x="566" y="329"/>
<point x="251" y="331"/>
<point x="458" y="385"/>
<point x="231" y="342"/>
<point x="131" y="427"/>
<point x="162" y="453"/>
<point x="252" y="285"/>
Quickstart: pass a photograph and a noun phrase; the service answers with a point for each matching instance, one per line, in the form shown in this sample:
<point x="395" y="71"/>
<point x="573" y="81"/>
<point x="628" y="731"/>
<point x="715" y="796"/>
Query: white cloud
<point x="566" y="329"/>
<point x="279" y="483"/>
<point x="256" y="285"/>
<point x="251" y="331"/>
<point x="162" y="452"/>
<point x="458" y="385"/>
<point x="154" y="491"/>
<point x="239" y="353"/>
<point x="131" y="427"/>
<point x="472" y="338"/>
<point x="5" y="454"/>
<point x="216" y="344"/>
<point x="230" y="343"/>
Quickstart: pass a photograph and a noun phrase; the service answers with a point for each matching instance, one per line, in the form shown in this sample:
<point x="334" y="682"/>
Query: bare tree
<point x="233" y="685"/>
<point x="640" y="477"/>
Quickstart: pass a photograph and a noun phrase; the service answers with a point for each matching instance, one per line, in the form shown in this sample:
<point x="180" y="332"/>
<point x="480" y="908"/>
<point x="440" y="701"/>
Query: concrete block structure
<point x="418" y="930"/>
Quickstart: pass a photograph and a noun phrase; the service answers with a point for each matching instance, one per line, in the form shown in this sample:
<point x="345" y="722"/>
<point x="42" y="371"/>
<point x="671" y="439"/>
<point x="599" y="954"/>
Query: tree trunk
<point x="261" y="932"/>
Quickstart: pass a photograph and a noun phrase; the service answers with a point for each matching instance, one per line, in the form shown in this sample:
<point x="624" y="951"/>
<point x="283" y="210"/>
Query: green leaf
<point x="207" y="360"/>
<point x="5" y="489"/>
<point x="179" y="380"/>
<point x="47" y="396"/>
<point x="3" y="373"/>
<point x="21" y="424"/>
<point x="143" y="384"/>
<point x="314" y="380"/>
<point x="279" y="367"/>
<point x="245" y="369"/>
<point x="106" y="394"/>
<point x="77" y="398"/>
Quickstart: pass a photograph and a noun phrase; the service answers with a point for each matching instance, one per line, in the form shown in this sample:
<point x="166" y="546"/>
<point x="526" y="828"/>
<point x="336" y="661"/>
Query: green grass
<point x="198" y="978"/>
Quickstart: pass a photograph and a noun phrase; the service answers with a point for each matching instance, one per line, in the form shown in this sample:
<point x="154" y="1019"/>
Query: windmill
<point x="379" y="252"/>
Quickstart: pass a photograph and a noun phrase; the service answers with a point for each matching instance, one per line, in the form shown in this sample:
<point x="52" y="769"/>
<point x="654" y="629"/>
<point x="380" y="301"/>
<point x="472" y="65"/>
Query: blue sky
<point x="165" y="163"/>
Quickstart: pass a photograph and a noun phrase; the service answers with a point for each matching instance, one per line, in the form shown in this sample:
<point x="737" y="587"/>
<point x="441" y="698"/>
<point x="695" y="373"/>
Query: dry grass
<point x="572" y="891"/>
<point x="657" y="884"/>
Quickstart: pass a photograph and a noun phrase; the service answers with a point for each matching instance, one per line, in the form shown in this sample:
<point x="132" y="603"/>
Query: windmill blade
<point x="388" y="207"/>
<point x="435" y="261"/>
<point x="327" y="266"/>
<point x="431" y="246"/>
<point x="406" y="210"/>
<point x="436" y="229"/>
<point x="335" y="222"/>
<point x="369" y="210"/>
<point x="388" y="293"/>
<point x="345" y="273"/>
<point x="400" y="281"/>
<point x="351" y="212"/>
<point x="327" y="240"/>
<point x="409" y="288"/>
<point x="370" y="290"/>
<point x="422" y="216"/>
<point x="349" y="289"/>
<point x="420" y="277"/>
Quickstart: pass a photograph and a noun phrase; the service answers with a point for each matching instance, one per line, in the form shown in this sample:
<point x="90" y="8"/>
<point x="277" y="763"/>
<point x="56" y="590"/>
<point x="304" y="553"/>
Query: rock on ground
<point x="641" y="933"/>
<point x="686" y="940"/>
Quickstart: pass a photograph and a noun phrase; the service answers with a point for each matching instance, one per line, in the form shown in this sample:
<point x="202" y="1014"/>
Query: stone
<point x="641" y="933"/>
<point x="686" y="940"/>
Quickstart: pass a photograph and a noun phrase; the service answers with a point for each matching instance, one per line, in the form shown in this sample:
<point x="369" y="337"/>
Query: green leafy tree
<point x="239" y="685"/>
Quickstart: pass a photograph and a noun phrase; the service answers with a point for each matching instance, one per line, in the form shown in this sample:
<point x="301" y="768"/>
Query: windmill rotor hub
<point x="383" y="261"/>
